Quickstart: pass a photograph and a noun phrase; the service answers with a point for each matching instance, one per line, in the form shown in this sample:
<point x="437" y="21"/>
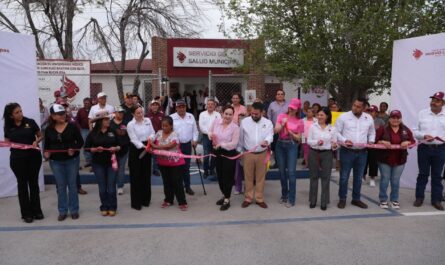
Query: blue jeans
<point x="430" y="158"/>
<point x="209" y="163"/>
<point x="390" y="174"/>
<point x="106" y="179"/>
<point x="155" y="166"/>
<point x="186" y="149"/>
<point x="355" y="160"/>
<point x="286" y="153"/>
<point x="121" y="161"/>
<point x="65" y="173"/>
<point x="87" y="155"/>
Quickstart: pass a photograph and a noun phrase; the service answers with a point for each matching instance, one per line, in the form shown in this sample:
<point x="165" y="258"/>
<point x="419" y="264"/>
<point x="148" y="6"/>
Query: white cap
<point x="101" y="94"/>
<point x="103" y="114"/>
<point x="56" y="109"/>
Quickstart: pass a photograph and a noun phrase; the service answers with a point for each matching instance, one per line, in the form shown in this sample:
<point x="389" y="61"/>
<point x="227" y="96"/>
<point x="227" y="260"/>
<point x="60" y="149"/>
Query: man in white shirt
<point x="100" y="106"/>
<point x="184" y="125"/>
<point x="256" y="134"/>
<point x="206" y="118"/>
<point x="354" y="128"/>
<point x="431" y="152"/>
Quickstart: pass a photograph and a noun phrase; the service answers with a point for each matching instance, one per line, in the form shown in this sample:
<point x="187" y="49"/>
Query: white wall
<point x="110" y="88"/>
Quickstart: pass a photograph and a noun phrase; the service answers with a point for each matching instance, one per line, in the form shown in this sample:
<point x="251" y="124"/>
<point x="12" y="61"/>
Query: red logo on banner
<point x="417" y="54"/>
<point x="68" y="89"/>
<point x="181" y="57"/>
<point x="4" y="50"/>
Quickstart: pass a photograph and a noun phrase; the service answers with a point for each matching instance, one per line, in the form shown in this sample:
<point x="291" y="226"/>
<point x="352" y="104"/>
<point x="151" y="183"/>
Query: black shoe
<point x="38" y="216"/>
<point x="206" y="174"/>
<point x="341" y="204"/>
<point x="62" y="217"/>
<point x="220" y="202"/>
<point x="189" y="191"/>
<point x="323" y="207"/>
<point x="312" y="206"/>
<point x="225" y="206"/>
<point x="87" y="165"/>
<point x="418" y="202"/>
<point x="28" y="219"/>
<point x="138" y="208"/>
<point x="74" y="216"/>
<point x="156" y="173"/>
<point x="359" y="204"/>
<point x="438" y="206"/>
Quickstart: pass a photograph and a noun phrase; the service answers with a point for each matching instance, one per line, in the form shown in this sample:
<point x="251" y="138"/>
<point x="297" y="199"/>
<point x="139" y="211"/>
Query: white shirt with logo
<point x="185" y="128"/>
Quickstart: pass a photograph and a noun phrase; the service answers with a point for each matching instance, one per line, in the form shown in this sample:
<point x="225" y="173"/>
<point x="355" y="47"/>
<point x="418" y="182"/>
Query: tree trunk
<point x="70" y="8"/>
<point x="40" y="52"/>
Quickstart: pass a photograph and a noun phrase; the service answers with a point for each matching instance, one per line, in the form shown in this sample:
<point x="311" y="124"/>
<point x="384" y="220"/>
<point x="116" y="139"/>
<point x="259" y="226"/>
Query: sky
<point x="209" y="26"/>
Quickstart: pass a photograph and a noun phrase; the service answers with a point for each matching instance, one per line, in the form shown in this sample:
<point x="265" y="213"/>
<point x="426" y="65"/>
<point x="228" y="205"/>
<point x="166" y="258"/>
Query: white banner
<point x="315" y="95"/>
<point x="418" y="71"/>
<point x="18" y="80"/>
<point x="70" y="78"/>
<point x="207" y="57"/>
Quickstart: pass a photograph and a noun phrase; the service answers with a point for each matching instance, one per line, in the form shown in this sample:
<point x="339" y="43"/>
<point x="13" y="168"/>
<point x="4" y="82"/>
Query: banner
<point x="207" y="57"/>
<point x="69" y="79"/>
<point x="18" y="80"/>
<point x="315" y="95"/>
<point x="418" y="69"/>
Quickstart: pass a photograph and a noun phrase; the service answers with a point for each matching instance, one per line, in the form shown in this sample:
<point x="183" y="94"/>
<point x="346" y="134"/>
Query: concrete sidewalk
<point x="205" y="235"/>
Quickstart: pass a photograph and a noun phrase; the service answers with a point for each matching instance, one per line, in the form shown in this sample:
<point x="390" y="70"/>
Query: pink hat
<point x="295" y="103"/>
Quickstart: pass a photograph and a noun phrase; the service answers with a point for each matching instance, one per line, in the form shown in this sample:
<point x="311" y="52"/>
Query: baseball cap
<point x="57" y="109"/>
<point x="438" y="95"/>
<point x="101" y="94"/>
<point x="155" y="102"/>
<point x="180" y="102"/>
<point x="103" y="114"/>
<point x="119" y="109"/>
<point x="373" y="108"/>
<point x="395" y="113"/>
<point x="295" y="103"/>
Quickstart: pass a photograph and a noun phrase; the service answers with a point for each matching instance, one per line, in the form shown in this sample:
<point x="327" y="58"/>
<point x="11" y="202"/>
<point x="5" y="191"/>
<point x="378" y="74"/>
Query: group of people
<point x="239" y="139"/>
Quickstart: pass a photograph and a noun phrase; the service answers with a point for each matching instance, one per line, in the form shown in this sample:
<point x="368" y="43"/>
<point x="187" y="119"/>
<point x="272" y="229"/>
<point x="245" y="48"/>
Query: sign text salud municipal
<point x="207" y="57"/>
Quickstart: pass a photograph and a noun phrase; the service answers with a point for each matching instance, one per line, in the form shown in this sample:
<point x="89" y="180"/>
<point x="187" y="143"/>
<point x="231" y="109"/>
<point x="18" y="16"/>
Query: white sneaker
<point x="383" y="205"/>
<point x="120" y="191"/>
<point x="395" y="205"/>
<point x="236" y="193"/>
<point x="372" y="183"/>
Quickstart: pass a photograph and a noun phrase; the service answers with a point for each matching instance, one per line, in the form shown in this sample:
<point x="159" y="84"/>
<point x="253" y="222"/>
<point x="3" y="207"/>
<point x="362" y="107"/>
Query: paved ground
<point x="204" y="235"/>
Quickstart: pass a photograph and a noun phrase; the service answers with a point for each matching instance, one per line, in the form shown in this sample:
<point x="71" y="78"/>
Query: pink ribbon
<point x="17" y="145"/>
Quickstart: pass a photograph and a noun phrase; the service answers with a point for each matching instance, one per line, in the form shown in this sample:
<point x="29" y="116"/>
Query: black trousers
<point x="140" y="177"/>
<point x="225" y="169"/>
<point x="371" y="163"/>
<point x="26" y="170"/>
<point x="172" y="179"/>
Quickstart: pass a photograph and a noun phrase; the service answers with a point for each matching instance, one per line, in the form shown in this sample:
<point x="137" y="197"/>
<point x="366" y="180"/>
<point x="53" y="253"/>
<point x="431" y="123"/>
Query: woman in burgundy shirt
<point x="392" y="161"/>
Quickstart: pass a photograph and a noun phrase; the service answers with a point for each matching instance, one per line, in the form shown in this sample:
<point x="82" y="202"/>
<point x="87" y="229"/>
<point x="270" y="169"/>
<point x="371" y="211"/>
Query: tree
<point x="55" y="23"/>
<point x="344" y="46"/>
<point x="131" y="24"/>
